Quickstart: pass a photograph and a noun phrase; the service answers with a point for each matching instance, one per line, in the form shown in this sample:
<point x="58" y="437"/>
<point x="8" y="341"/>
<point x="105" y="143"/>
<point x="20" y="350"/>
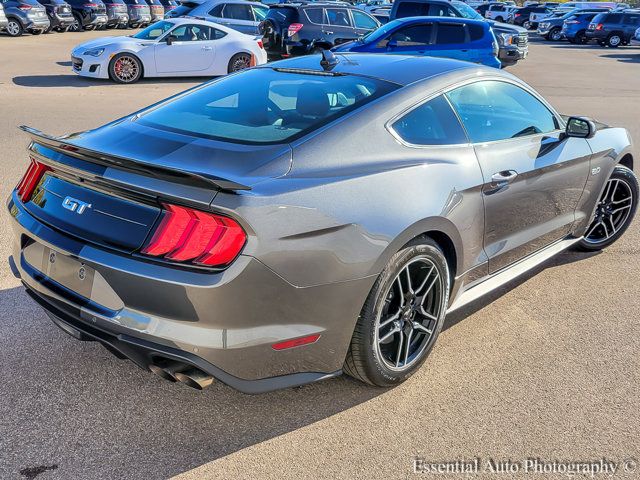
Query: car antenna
<point x="328" y="61"/>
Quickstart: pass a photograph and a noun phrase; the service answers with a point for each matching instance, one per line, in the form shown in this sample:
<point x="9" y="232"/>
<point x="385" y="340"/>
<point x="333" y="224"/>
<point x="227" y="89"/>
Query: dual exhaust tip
<point x="181" y="372"/>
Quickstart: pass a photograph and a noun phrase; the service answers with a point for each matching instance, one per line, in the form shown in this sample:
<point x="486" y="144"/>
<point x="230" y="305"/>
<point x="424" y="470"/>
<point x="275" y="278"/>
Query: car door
<point x="533" y="174"/>
<point x="631" y="22"/>
<point x="338" y="28"/>
<point x="412" y="39"/>
<point x="239" y="16"/>
<point x="192" y="50"/>
<point x="451" y="41"/>
<point x="362" y="22"/>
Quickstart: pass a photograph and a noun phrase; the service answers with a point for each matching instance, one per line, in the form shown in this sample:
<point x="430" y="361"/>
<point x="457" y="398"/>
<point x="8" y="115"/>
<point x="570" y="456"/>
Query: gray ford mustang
<point x="310" y="217"/>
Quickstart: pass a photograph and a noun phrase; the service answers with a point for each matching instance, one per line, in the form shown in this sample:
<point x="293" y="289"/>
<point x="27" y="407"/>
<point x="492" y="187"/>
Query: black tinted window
<point x="176" y="12"/>
<point x="263" y="105"/>
<point x="493" y="110"/>
<point x="415" y="35"/>
<point x="432" y="123"/>
<point x="338" y="17"/>
<point x="412" y="9"/>
<point x="447" y="34"/>
<point x="315" y="15"/>
<point x="217" y="11"/>
<point x="237" y="12"/>
<point x="612" y="18"/>
<point x="476" y="32"/>
<point x="285" y="15"/>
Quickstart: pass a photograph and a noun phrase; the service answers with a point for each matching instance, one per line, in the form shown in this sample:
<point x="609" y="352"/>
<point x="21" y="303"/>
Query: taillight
<point x="260" y="45"/>
<point x="31" y="179"/>
<point x="24" y="7"/>
<point x="90" y="5"/>
<point x="599" y="26"/>
<point x="188" y="235"/>
<point x="517" y="14"/>
<point x="137" y="6"/>
<point x="296" y="342"/>
<point x="294" y="28"/>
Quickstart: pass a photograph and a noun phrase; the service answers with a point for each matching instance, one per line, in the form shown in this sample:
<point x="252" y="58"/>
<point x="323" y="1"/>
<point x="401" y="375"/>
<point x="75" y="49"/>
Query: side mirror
<point x="170" y="39"/>
<point x="581" y="127"/>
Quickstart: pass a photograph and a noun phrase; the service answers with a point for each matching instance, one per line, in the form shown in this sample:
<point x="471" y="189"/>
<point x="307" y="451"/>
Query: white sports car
<point x="177" y="47"/>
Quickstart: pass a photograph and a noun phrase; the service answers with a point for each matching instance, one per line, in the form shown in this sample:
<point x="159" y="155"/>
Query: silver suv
<point x="240" y="15"/>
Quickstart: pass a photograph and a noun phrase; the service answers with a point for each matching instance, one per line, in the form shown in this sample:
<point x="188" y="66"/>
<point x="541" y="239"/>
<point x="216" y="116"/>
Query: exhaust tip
<point x="195" y="378"/>
<point x="168" y="369"/>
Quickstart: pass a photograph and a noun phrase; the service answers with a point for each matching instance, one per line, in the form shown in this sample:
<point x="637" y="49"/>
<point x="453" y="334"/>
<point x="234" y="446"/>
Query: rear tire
<point x="616" y="208"/>
<point x="239" y="61"/>
<point x="397" y="314"/>
<point x="499" y="19"/>
<point x="14" y="28"/>
<point x="76" y="26"/>
<point x="614" y="40"/>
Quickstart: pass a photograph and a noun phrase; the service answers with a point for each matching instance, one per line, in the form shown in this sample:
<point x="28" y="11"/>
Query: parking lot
<point x="547" y="368"/>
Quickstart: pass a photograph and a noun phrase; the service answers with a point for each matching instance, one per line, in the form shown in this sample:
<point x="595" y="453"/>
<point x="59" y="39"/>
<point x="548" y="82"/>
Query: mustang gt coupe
<point x="313" y="216"/>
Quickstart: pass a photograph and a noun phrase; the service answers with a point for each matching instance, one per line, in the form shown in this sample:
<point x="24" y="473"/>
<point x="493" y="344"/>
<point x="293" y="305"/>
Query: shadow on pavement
<point x="64" y="64"/>
<point x="72" y="80"/>
<point x="625" y="57"/>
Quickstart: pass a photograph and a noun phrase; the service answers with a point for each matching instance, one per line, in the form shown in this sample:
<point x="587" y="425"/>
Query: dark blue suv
<point x="459" y="38"/>
<point x="575" y="27"/>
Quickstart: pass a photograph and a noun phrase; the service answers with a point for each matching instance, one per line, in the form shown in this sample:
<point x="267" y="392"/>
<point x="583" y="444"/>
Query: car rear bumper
<point x="596" y="35"/>
<point x="39" y="24"/>
<point x="224" y="322"/>
<point x="136" y="17"/>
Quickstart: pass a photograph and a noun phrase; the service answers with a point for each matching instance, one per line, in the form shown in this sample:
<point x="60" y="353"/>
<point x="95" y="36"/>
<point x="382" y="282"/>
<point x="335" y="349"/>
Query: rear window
<point x="315" y="15"/>
<point x="265" y="106"/>
<point x="286" y="15"/>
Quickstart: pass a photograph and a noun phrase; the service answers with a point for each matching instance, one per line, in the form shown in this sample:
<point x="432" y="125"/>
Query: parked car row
<point x="41" y="16"/>
<point x="607" y="28"/>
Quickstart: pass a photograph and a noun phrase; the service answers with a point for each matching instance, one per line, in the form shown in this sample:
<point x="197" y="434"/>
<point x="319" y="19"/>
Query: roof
<point x="461" y="20"/>
<point x="400" y="69"/>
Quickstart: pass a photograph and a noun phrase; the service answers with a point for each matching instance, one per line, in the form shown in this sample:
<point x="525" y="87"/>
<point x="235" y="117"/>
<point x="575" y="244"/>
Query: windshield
<point x="264" y="105"/>
<point x="466" y="11"/>
<point x="154" y="31"/>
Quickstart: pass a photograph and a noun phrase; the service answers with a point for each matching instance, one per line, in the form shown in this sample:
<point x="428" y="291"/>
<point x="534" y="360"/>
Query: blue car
<point x="459" y="38"/>
<point x="575" y="27"/>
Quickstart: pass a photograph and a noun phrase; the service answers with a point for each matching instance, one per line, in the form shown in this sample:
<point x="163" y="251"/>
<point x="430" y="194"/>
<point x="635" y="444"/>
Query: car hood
<point x="108" y="41"/>
<point x="506" y="27"/>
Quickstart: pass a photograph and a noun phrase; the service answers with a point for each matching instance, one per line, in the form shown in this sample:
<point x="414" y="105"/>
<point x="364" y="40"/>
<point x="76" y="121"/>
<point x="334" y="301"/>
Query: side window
<point x="315" y="15"/>
<point x="259" y="13"/>
<point x="632" y="19"/>
<point x="450" y="34"/>
<point x="493" y="110"/>
<point x="192" y="33"/>
<point x="217" y="11"/>
<point x="412" y="9"/>
<point x="338" y="17"/>
<point x="364" y="21"/>
<point x="476" y="32"/>
<point x="416" y="35"/>
<point x="238" y="12"/>
<point x="436" y="10"/>
<point x="432" y="123"/>
<point x="217" y="34"/>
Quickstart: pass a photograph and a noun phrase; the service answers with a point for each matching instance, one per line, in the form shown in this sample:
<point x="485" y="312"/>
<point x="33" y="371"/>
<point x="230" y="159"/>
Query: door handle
<point x="503" y="178"/>
<point x="207" y="48"/>
<point x="328" y="32"/>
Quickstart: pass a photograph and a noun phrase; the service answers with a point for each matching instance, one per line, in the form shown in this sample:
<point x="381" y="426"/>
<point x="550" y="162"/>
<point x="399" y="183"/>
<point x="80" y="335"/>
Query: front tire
<point x="555" y="35"/>
<point x="402" y="316"/>
<point x="125" y="68"/>
<point x="615" y="210"/>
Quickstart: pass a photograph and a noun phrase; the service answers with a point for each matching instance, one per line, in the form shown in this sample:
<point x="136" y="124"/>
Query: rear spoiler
<point x="164" y="173"/>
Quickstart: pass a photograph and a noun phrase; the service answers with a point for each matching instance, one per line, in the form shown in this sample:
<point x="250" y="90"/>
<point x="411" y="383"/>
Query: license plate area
<point x="81" y="283"/>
